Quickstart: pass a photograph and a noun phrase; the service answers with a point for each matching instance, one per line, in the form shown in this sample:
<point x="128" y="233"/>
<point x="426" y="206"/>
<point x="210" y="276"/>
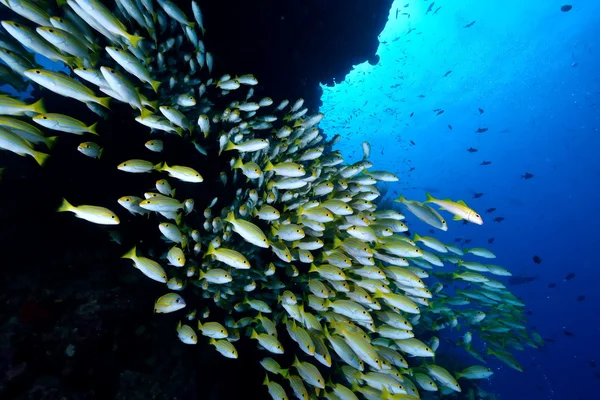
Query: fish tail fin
<point x="104" y="102"/>
<point x="92" y="128"/>
<point x="230" y="217"/>
<point x="238" y="163"/>
<point x="401" y="199"/>
<point x="230" y="146"/>
<point x="130" y="254"/>
<point x="160" y="166"/>
<point x="100" y="153"/>
<point x="145" y="113"/>
<point x="429" y="197"/>
<point x="50" y="142"/>
<point x="38" y="107"/>
<point x="155" y="85"/>
<point x="65" y="206"/>
<point x="336" y="242"/>
<point x="134" y="40"/>
<point x="269" y="166"/>
<point x="40" y="157"/>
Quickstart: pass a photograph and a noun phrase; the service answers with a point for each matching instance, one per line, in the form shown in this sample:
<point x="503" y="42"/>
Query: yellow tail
<point x="38" y="107"/>
<point x="130" y="254"/>
<point x="41" y="158"/>
<point x="134" y="40"/>
<point x="65" y="206"/>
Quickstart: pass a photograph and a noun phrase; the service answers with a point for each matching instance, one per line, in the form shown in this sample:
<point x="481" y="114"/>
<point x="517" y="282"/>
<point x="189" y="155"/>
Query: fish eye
<point x="51" y="30"/>
<point x="37" y="71"/>
<point x="113" y="217"/>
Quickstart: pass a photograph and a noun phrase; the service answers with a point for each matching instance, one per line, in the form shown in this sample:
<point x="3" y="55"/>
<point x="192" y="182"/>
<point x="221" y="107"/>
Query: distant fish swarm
<point x="302" y="250"/>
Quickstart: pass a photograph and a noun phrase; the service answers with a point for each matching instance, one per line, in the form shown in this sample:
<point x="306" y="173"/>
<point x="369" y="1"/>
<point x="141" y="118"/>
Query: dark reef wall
<point x="292" y="46"/>
<point x="62" y="282"/>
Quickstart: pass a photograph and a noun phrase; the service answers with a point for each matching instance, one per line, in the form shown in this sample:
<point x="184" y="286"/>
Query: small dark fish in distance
<point x="519" y="280"/>
<point x="566" y="7"/>
<point x="458" y="240"/>
<point x="498" y="219"/>
<point x="486" y="163"/>
<point x="412" y="143"/>
<point x="481" y="130"/>
<point x="581" y="298"/>
<point x="592" y="363"/>
<point x="447" y="73"/>
<point x="569" y="334"/>
<point x="570" y="276"/>
<point x="537" y="259"/>
<point x="472" y="150"/>
<point x="439" y="112"/>
<point x="481" y="111"/>
<point x="490" y="210"/>
<point x="422" y="96"/>
<point x="491" y="240"/>
<point x="470" y="24"/>
<point x="527" y="175"/>
<point x="430" y="7"/>
<point x="477" y="195"/>
<point x="411" y="114"/>
<point x="449" y="126"/>
<point x="552" y="285"/>
<point x="467" y="241"/>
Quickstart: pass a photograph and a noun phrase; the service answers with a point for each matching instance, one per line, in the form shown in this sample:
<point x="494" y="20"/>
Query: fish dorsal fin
<point x="462" y="203"/>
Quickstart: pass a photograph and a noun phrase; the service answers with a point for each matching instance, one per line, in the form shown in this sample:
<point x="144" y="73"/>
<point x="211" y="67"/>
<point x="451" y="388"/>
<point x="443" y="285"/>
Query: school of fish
<point x="302" y="249"/>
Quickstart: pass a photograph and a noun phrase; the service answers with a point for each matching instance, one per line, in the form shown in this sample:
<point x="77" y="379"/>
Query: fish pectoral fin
<point x="457" y="218"/>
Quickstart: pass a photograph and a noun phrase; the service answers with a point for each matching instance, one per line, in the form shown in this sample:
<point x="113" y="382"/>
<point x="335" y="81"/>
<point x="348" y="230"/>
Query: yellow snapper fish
<point x="15" y="144"/>
<point x="30" y="39"/>
<point x="186" y="334"/>
<point x="247" y="230"/>
<point x="64" y="123"/>
<point x="94" y="214"/>
<point x="185" y="174"/>
<point x="90" y="149"/>
<point x="60" y="83"/>
<point x="11" y="106"/>
<point x="459" y="209"/>
<point x="169" y="303"/>
<point x="424" y="213"/>
<point x="148" y="267"/>
<point x="103" y="16"/>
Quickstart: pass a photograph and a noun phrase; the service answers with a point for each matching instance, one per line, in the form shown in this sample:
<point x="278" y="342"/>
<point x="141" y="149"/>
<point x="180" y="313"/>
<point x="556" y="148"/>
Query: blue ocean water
<point x="533" y="71"/>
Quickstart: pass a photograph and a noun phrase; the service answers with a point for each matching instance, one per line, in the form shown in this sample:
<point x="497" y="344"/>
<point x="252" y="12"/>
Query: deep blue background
<point x="534" y="70"/>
